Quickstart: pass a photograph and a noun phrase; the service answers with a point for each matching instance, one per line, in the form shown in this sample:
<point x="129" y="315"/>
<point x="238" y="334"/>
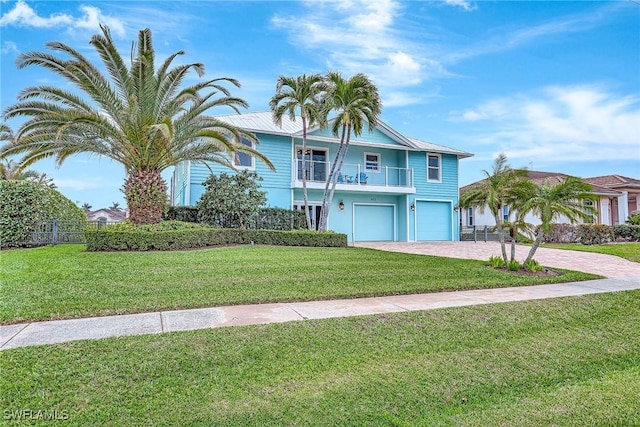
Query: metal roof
<point x="262" y="122"/>
<point x="429" y="146"/>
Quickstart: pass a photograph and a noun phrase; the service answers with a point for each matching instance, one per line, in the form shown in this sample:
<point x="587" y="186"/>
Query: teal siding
<point x="376" y="137"/>
<point x="446" y="190"/>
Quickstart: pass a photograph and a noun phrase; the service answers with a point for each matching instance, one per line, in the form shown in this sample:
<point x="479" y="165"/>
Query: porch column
<point x="623" y="207"/>
<point x="604" y="211"/>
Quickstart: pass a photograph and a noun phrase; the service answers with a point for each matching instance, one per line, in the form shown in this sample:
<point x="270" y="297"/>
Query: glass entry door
<point x="314" y="209"/>
<point x="316" y="164"/>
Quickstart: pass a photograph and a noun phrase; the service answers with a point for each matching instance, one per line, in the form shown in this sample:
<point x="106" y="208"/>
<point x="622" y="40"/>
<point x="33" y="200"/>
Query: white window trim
<point x="253" y="159"/>
<point x="439" y="167"/>
<point x="366" y="169"/>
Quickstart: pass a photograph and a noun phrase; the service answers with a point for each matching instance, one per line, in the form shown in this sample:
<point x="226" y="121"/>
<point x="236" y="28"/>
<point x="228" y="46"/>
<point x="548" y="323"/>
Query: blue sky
<point x="554" y="85"/>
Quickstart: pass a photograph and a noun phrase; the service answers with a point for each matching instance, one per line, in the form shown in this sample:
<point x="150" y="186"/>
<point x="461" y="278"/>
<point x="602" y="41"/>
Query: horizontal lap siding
<point x="447" y="189"/>
<point x="366" y="137"/>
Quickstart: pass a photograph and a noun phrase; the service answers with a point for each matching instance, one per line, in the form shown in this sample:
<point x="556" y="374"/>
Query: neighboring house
<point x="473" y="216"/>
<point x="391" y="187"/>
<point x="107" y="215"/>
<point x="618" y="208"/>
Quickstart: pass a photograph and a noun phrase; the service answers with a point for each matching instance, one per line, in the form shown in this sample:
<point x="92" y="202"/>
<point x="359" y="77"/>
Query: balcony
<point x="355" y="177"/>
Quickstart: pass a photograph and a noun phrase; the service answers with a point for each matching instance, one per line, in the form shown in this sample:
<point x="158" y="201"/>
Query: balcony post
<point x="386" y="176"/>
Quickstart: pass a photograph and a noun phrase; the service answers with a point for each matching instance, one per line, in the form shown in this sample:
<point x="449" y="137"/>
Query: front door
<point x="314" y="209"/>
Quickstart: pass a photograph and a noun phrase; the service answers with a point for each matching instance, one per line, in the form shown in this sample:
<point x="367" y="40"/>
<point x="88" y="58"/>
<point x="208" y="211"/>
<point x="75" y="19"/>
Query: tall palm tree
<point x="301" y="96"/>
<point x="503" y="186"/>
<point x="115" y="206"/>
<point x="137" y="115"/>
<point x="550" y="202"/>
<point x="356" y="102"/>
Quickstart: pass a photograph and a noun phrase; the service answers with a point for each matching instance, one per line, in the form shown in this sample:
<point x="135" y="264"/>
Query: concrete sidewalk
<point x="57" y="331"/>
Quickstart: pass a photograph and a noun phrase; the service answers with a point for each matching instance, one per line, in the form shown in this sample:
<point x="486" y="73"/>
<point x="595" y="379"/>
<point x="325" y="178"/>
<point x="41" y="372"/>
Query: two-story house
<point x="390" y="187"/>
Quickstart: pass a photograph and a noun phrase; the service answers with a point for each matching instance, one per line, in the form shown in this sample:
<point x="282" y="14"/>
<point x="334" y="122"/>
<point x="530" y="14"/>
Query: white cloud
<point x="23" y="15"/>
<point x="9" y="47"/>
<point x="466" y="5"/>
<point x="79" y="184"/>
<point x="558" y="124"/>
<point x="363" y="36"/>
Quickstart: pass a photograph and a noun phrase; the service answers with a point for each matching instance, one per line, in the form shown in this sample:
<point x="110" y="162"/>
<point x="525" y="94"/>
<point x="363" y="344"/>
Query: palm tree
<point x="301" y="96"/>
<point x="503" y="186"/>
<point x="10" y="170"/>
<point x="357" y="103"/>
<point x="86" y="206"/>
<point x="550" y="202"/>
<point x="115" y="206"/>
<point x="136" y="115"/>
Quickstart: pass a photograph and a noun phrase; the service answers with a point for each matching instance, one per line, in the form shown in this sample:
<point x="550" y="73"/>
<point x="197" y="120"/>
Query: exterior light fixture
<point x="341" y="205"/>
<point x="413" y="206"/>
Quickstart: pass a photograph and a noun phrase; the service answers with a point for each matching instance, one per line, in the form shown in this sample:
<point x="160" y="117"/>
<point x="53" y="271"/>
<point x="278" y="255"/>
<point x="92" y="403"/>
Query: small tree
<point x="230" y="200"/>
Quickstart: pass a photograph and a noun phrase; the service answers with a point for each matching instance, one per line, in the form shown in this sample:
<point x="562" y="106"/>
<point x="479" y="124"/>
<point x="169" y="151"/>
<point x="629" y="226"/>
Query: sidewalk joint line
<point x="161" y="322"/>
<point x="14" y="335"/>
<point x="296" y="312"/>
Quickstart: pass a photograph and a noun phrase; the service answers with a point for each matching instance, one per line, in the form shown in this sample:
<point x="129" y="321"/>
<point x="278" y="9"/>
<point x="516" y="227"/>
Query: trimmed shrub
<point x="533" y="266"/>
<point x="513" y="265"/>
<point x="23" y="203"/>
<point x="634" y="218"/>
<point x="130" y="238"/>
<point x="181" y="213"/>
<point x="630" y="233"/>
<point x="278" y="219"/>
<point x="561" y="233"/>
<point x="594" y="234"/>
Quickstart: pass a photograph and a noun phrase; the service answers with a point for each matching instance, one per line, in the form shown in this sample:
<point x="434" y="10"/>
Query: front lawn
<point x="65" y="281"/>
<point x="630" y="251"/>
<point x="566" y="362"/>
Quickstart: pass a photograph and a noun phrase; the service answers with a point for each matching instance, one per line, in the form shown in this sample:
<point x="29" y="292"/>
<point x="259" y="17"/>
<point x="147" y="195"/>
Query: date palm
<point x="137" y="115"/>
<point x="300" y="96"/>
<point x="356" y="102"/>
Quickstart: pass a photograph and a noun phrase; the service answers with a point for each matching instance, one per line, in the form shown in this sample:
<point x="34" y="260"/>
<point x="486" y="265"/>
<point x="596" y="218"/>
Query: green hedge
<point x="23" y="203"/>
<point x="592" y="234"/>
<point x="108" y="239"/>
<point x="627" y="232"/>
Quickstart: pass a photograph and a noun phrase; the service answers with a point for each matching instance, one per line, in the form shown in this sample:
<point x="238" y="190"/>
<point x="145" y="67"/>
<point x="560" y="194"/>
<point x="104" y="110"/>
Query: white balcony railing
<point x="357" y="174"/>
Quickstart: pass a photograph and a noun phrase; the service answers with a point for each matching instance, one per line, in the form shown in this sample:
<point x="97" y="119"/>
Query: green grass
<point x="565" y="362"/>
<point x="64" y="281"/>
<point x="630" y="251"/>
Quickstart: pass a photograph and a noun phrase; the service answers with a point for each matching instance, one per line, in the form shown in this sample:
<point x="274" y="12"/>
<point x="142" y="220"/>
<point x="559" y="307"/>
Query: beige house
<point x="107" y="215"/>
<point x="609" y="207"/>
<point x="618" y="208"/>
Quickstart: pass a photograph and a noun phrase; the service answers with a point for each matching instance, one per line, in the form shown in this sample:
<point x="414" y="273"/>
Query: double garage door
<point x="373" y="223"/>
<point x="433" y="221"/>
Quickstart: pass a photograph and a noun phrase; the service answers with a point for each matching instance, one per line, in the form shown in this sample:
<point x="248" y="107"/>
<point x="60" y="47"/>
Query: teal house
<point x="391" y="187"/>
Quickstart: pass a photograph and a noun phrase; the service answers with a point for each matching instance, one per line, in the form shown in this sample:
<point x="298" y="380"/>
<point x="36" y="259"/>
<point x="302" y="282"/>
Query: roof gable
<point x="613" y="181"/>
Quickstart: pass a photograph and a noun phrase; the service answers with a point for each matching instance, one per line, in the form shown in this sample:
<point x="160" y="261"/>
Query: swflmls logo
<point x="30" y="414"/>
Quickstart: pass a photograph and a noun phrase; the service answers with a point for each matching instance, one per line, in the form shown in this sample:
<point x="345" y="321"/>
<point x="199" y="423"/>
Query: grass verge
<point x="567" y="362"/>
<point x="630" y="251"/>
<point x="64" y="281"/>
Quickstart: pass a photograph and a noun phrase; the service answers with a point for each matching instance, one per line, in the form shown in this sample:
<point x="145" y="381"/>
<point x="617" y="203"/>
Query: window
<point x="244" y="160"/>
<point x="372" y="162"/>
<point x="505" y="213"/>
<point x="315" y="163"/>
<point x="433" y="167"/>
<point x="590" y="208"/>
<point x="470" y="217"/>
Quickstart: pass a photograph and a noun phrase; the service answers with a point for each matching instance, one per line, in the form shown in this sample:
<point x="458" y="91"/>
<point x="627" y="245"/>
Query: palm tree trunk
<point x="146" y="194"/>
<point x="513" y="249"/>
<point x="340" y="162"/>
<point x="534" y="247"/>
<point x="307" y="214"/>
<point x="324" y="213"/>
<point x="500" y="230"/>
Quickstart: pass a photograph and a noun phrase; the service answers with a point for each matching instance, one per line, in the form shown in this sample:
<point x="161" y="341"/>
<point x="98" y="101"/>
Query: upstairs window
<point x="244" y="160"/>
<point x="433" y="168"/>
<point x="372" y="162"/>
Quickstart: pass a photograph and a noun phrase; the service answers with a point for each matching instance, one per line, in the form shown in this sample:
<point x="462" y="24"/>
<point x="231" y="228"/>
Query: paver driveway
<point x="589" y="262"/>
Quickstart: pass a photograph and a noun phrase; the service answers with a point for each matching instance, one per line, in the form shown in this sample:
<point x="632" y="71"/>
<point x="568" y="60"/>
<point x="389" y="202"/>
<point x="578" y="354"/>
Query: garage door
<point x="433" y="221"/>
<point x="373" y="223"/>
